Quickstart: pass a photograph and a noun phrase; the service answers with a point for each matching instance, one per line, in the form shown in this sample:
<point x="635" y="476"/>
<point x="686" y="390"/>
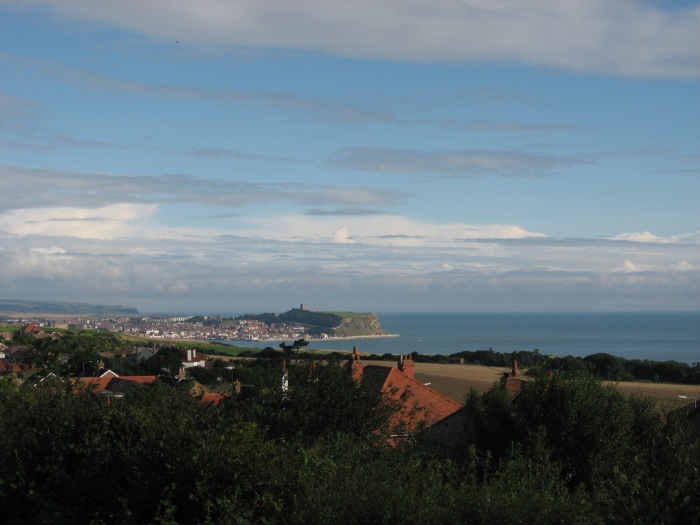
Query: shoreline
<point x="345" y="338"/>
<point x="314" y="339"/>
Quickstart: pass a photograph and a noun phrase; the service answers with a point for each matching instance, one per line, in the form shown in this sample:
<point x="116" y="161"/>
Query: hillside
<point x="56" y="307"/>
<point x="334" y="324"/>
<point x="353" y="325"/>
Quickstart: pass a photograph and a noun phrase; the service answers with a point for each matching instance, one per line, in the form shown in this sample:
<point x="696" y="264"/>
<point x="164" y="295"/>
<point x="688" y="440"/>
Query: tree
<point x="289" y="350"/>
<point x="323" y="399"/>
<point x="168" y="360"/>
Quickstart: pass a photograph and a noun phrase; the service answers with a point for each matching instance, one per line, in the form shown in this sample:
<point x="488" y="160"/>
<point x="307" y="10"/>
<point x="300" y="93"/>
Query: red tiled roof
<point x="31" y="328"/>
<point x="214" y="399"/>
<point x="97" y="383"/>
<point x="139" y="379"/>
<point x="101" y="383"/>
<point x="421" y="406"/>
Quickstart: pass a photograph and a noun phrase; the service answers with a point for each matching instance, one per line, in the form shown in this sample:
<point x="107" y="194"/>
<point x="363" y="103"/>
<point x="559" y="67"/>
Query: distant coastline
<point x="310" y="339"/>
<point x="341" y="338"/>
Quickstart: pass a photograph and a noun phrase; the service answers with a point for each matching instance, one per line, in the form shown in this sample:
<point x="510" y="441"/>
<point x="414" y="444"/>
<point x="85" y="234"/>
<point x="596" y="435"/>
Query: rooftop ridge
<point x="435" y="392"/>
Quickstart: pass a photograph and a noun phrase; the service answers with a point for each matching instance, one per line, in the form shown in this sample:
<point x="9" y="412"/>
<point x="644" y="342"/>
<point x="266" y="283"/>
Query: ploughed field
<point x="454" y="381"/>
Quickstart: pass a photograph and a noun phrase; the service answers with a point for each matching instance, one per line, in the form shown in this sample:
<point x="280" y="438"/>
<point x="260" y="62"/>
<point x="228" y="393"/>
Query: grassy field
<point x="451" y="380"/>
<point x="455" y="381"/>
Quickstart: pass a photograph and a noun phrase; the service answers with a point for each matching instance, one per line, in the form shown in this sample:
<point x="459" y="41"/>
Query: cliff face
<point x="359" y="324"/>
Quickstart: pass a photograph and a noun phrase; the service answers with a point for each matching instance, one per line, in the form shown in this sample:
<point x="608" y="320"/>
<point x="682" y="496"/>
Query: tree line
<point x="81" y="348"/>
<point x="605" y="366"/>
<point x="568" y="449"/>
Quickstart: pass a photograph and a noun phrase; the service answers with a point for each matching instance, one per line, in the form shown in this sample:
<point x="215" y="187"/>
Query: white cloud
<point x="630" y="267"/>
<point x="624" y="37"/>
<point x="648" y="237"/>
<point x="380" y="230"/>
<point x="341" y="234"/>
<point x="685" y="266"/>
<point x="53" y="250"/>
<point x="108" y="222"/>
<point x="262" y="270"/>
<point x="640" y="237"/>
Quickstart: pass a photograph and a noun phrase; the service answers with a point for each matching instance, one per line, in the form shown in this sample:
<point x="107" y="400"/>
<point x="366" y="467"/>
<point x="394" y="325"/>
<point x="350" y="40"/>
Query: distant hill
<point x="335" y="324"/>
<point x="55" y="307"/>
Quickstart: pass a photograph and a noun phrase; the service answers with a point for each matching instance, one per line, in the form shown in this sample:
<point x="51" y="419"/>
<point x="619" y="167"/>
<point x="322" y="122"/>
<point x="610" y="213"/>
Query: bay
<point x="656" y="336"/>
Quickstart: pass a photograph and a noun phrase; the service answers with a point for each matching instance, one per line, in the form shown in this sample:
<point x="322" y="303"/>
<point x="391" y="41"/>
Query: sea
<point x="667" y="336"/>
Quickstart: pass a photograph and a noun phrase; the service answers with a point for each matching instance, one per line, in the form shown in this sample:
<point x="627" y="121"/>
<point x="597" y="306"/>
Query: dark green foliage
<point x="491" y="424"/>
<point x="167" y="361"/>
<point x="316" y="322"/>
<point x="343" y="480"/>
<point x="158" y="454"/>
<point x="603" y="365"/>
<point x="568" y="450"/>
<point x="206" y="321"/>
<point x="323" y="400"/>
<point x="589" y="426"/>
<point x="19" y="338"/>
<point x="319" y="320"/>
<point x="268" y="317"/>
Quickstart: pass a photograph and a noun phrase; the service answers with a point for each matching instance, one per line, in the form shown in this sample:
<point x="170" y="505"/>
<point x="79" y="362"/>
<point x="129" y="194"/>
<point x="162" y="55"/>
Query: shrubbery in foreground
<point x="567" y="450"/>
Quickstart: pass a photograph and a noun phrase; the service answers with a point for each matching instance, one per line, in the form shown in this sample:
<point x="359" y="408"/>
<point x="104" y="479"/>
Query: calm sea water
<point x="655" y="336"/>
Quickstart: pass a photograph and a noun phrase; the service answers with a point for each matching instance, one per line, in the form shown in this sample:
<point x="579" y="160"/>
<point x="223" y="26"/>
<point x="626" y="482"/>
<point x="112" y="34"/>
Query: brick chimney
<point x="356" y="365"/>
<point x="514" y="372"/>
<point x="406" y="365"/>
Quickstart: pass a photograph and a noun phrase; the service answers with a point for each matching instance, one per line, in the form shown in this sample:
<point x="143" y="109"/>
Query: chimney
<point x="356" y="365"/>
<point x="406" y="365"/>
<point x="285" y="380"/>
<point x="514" y="373"/>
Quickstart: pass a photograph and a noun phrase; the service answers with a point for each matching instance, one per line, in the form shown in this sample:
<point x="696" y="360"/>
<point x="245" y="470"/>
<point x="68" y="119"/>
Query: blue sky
<point x="405" y="155"/>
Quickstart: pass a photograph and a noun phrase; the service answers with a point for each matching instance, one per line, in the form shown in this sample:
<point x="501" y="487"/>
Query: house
<point x="421" y="406"/>
<point x="193" y="358"/>
<point x="48" y="335"/>
<point x="142" y="354"/>
<point x="196" y="389"/>
<point x="110" y="384"/>
<point x="52" y="381"/>
<point x="30" y="328"/>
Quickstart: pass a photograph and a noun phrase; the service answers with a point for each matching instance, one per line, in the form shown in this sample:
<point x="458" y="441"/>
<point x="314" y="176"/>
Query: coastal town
<point x="296" y="323"/>
<point x="195" y="328"/>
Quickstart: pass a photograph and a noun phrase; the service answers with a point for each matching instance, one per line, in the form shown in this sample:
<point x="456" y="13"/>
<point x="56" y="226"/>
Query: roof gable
<point x="104" y="381"/>
<point x="421" y="406"/>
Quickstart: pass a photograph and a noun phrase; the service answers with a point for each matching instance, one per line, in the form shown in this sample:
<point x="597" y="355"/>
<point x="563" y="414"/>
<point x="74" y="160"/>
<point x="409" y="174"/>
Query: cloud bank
<point x="102" y="236"/>
<point x="625" y="37"/>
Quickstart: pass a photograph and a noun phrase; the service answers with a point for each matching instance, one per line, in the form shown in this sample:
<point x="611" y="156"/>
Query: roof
<point x="31" y="328"/>
<point x="109" y="381"/>
<point x="214" y="399"/>
<point x="421" y="406"/>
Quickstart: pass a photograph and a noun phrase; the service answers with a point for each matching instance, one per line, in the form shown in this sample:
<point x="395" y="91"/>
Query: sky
<point x="234" y="156"/>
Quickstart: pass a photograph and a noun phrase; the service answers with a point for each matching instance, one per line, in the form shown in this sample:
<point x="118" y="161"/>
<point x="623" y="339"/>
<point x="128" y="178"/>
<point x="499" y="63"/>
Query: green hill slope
<point x="334" y="324"/>
<point x="55" y="307"/>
